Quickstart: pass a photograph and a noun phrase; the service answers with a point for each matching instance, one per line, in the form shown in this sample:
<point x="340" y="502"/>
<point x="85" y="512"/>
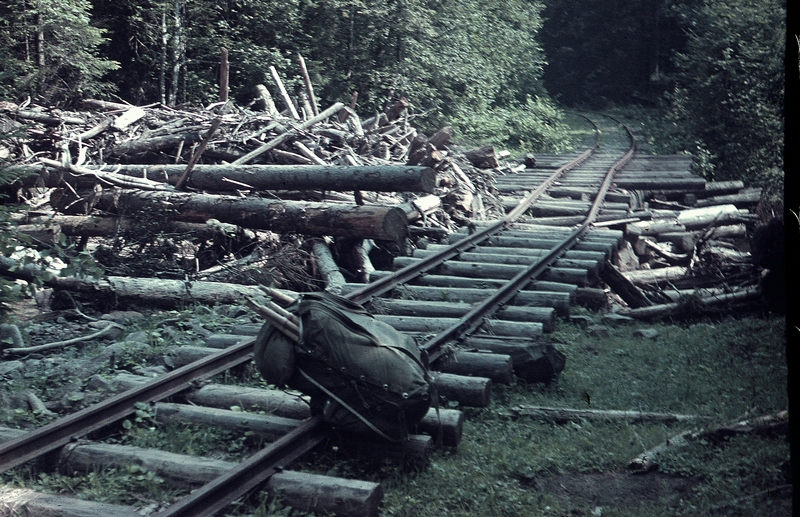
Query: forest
<point x="708" y="74"/>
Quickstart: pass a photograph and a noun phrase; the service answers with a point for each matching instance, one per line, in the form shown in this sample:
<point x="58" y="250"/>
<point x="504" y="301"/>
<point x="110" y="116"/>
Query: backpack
<point x="362" y="375"/>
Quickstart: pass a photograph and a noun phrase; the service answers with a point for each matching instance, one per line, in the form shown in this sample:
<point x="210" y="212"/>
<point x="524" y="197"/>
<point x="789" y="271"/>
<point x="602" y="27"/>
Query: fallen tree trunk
<point x="576" y="415"/>
<point x="648" y="460"/>
<point x="150" y="291"/>
<point x="691" y="307"/>
<point x="320" y="219"/>
<point x="386" y="178"/>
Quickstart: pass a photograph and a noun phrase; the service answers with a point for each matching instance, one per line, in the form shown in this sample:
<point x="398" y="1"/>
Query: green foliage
<point x="728" y="100"/>
<point x="53" y="51"/>
<point x="536" y="125"/>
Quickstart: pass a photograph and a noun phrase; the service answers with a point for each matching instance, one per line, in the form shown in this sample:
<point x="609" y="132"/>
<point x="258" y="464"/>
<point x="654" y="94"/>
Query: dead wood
<point x="777" y="423"/>
<point x="319" y="219"/>
<point x="576" y="415"/>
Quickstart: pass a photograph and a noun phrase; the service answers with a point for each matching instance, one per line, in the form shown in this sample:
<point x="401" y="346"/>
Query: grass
<point x="521" y="466"/>
<point x="722" y="369"/>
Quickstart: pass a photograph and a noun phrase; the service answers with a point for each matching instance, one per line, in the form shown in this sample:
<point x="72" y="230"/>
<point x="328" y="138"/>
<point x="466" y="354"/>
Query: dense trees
<point x="488" y="68"/>
<point x="49" y="50"/>
<point x="729" y="97"/>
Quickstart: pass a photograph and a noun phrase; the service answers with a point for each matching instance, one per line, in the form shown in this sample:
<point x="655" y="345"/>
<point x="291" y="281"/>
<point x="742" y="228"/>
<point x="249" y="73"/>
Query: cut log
<point x="505" y="271"/>
<point x="533" y="361"/>
<point x="467" y="391"/>
<point x="749" y="295"/>
<point x="270" y="427"/>
<point x="496" y="367"/>
<point x="661" y="276"/>
<point x="546" y="316"/>
<point x="494" y="327"/>
<point x="156" y="144"/>
<point x="383" y="178"/>
<point x="483" y="157"/>
<point x="320" y="219"/>
<point x="436" y="288"/>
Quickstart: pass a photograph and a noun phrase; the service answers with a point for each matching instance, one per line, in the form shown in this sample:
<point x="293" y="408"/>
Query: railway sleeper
<point x="308" y="492"/>
<point x="448" y="423"/>
<point x="560" y="301"/>
<point x="571" y="275"/>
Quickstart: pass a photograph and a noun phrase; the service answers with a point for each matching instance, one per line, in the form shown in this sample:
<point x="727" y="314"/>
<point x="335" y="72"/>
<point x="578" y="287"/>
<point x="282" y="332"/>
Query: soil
<point x="614" y="489"/>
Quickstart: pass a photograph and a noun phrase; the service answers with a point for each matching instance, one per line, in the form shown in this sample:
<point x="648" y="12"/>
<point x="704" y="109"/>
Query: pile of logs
<point x="691" y="252"/>
<point x="252" y="173"/>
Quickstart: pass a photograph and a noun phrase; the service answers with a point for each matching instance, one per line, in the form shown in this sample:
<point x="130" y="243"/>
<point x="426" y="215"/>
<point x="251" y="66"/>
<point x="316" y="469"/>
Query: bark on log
<point x="505" y="271"/>
<point x="752" y="294"/>
<point x="327" y="495"/>
<point x="279" y="403"/>
<point x="413" y="453"/>
<point x="306" y="492"/>
<point x="496" y="367"/>
<point x="467" y="391"/>
<point x="383" y="178"/>
<point x="329" y="270"/>
<point x="546" y="316"/>
<point x="320" y="219"/>
<point x="460" y="282"/>
<point x="270" y="427"/>
<point x="495" y="327"/>
<point x="560" y="301"/>
<point x="449" y="422"/>
<point x="155" y="144"/>
<point x="533" y="361"/>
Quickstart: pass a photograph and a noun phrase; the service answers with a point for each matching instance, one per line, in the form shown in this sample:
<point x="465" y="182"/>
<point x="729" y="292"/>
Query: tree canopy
<point x="490" y="69"/>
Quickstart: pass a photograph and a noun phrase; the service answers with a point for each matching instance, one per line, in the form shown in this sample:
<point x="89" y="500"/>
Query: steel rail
<point x="249" y="474"/>
<point x="66" y="429"/>
<point x="387" y="283"/>
<point x="243" y="478"/>
<point x="475" y="317"/>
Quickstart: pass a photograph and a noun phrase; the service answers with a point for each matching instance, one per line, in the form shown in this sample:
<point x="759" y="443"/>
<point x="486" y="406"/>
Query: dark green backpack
<point x="364" y="376"/>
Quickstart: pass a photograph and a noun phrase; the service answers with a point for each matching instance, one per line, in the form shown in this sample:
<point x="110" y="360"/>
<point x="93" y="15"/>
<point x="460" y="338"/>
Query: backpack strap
<point x="346" y="406"/>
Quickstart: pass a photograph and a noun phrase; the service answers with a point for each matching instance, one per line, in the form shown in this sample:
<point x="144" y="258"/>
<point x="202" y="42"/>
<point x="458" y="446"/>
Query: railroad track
<point x="495" y="287"/>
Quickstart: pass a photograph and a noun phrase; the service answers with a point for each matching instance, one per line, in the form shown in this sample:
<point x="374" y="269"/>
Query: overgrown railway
<point x="493" y="288"/>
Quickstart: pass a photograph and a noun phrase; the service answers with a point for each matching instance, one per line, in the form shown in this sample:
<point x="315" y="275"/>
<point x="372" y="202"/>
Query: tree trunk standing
<point x="224" y="69"/>
<point x="162" y="61"/>
<point x="178" y="51"/>
<point x="320" y="219"/>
